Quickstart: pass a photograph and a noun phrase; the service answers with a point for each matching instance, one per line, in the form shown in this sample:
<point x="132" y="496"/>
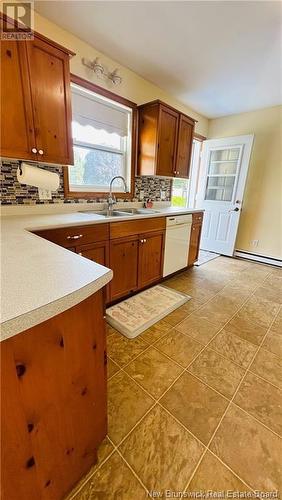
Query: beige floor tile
<point x="273" y="343"/>
<point x="234" y="348"/>
<point x="104" y="450"/>
<point x="252" y="451"/>
<point x="112" y="368"/>
<point x="182" y="312"/>
<point x="217" y="372"/>
<point x="179" y="347"/>
<point x="218" y="310"/>
<point x="154" y="371"/>
<point x="195" y="405"/>
<point x="269" y="292"/>
<point x="268" y="366"/>
<point x="122" y="350"/>
<point x="274" y="281"/>
<point x="212" y="475"/>
<point x="161" y="452"/>
<point x="277" y="325"/>
<point x="110" y="330"/>
<point x="155" y="332"/>
<point x="114" y="480"/>
<point x="262" y="400"/>
<point x="259" y="311"/>
<point x="198" y="328"/>
<point x="127" y="403"/>
<point x="201" y="294"/>
<point x="246" y="330"/>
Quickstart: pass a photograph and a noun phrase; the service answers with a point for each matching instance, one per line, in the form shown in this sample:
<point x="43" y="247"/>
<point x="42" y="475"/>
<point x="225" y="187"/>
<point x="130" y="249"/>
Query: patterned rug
<point x="205" y="256"/>
<point x="134" y="315"/>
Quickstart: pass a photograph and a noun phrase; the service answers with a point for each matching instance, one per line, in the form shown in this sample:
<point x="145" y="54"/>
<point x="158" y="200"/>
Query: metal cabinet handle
<point x="40" y="151"/>
<point x="144" y="241"/>
<point x="141" y="241"/>
<point x="79" y="253"/>
<point x="75" y="237"/>
<point x="34" y="150"/>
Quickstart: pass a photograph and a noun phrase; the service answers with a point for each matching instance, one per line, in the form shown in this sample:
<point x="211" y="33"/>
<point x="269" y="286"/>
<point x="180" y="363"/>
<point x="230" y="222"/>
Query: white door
<point x="223" y="174"/>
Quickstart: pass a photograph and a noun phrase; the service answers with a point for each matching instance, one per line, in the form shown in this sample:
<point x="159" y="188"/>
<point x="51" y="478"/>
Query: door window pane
<point x="227" y="168"/>
<point x="225" y="154"/>
<point x="214" y="182"/>
<point x="219" y="194"/>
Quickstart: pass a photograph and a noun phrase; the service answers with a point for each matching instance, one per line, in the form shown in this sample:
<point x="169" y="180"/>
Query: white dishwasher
<point x="177" y="239"/>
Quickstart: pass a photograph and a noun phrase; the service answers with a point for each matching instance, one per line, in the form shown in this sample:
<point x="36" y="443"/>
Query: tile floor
<point x="195" y="402"/>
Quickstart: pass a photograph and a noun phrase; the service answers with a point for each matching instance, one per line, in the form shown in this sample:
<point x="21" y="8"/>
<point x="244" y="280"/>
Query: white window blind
<point x="100" y="113"/>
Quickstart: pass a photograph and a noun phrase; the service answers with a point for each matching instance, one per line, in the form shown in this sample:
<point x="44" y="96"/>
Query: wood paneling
<point x="148" y="139"/>
<point x="124" y="264"/>
<point x="78" y="235"/>
<point x="184" y="146"/>
<point x="138" y="226"/>
<point x="50" y="89"/>
<point x="17" y="130"/>
<point x="53" y="402"/>
<point x="151" y="246"/>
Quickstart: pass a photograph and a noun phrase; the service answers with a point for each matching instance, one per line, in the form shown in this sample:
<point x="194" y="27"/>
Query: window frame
<point x="114" y="97"/>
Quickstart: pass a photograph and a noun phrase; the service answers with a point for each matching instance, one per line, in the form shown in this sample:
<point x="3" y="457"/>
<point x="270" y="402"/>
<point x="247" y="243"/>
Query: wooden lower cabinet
<point x="124" y="264"/>
<point x="150" y="268"/>
<point x="98" y="252"/>
<point x="195" y="238"/>
<point x="54" y="403"/>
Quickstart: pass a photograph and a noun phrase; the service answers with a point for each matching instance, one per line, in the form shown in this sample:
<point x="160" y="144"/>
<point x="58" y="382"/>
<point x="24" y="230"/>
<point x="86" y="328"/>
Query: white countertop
<point x="40" y="279"/>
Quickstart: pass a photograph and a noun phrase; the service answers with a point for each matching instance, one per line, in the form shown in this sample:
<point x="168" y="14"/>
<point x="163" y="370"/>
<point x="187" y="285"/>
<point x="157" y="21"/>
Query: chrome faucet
<point x="112" y="198"/>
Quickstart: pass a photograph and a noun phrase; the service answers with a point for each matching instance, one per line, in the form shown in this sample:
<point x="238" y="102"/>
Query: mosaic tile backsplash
<point x="14" y="193"/>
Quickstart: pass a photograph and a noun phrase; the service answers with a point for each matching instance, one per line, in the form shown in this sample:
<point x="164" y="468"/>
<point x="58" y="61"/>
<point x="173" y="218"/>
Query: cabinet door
<point x="50" y="88"/>
<point x="184" y="146"/>
<point x="167" y="140"/>
<point x="98" y="252"/>
<point x="150" y="258"/>
<point x="194" y="246"/>
<point x="17" y="131"/>
<point x="124" y="264"/>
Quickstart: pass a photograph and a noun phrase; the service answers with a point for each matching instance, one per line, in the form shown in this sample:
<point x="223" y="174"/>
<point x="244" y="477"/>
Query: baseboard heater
<point x="259" y="258"/>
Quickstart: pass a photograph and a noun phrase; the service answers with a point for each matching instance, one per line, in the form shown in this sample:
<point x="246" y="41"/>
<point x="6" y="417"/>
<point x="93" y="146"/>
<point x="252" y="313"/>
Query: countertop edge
<point x="25" y="321"/>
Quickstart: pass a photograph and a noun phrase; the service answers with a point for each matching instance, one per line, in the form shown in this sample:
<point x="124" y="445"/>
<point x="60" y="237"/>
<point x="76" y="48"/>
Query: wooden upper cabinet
<point x="184" y="146"/>
<point x="164" y="140"/>
<point x="50" y="90"/>
<point x="167" y="140"/>
<point x="35" y="101"/>
<point x="17" y="130"/>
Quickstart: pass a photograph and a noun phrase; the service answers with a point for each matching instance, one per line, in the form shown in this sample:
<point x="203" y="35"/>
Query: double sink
<point x="120" y="212"/>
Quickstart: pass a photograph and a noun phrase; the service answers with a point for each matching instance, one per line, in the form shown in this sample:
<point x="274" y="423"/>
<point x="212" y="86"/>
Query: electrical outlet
<point x="254" y="243"/>
<point x="141" y="195"/>
<point x="44" y="194"/>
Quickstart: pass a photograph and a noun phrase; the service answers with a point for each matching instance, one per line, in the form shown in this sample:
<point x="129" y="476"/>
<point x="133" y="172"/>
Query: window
<point x="223" y="166"/>
<point x="102" y="141"/>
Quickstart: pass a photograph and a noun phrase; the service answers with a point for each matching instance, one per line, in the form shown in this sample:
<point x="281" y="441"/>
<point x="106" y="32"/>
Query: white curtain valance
<point x="87" y="109"/>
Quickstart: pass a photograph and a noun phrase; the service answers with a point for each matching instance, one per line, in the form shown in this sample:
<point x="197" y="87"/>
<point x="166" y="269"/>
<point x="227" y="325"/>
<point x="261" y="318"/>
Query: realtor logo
<point x="17" y="22"/>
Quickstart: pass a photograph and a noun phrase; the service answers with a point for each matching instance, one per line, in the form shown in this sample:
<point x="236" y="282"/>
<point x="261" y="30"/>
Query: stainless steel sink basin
<point x="123" y="212"/>
<point x="106" y="213"/>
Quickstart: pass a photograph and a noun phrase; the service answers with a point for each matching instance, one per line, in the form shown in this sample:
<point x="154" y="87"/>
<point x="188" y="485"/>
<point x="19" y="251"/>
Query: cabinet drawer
<point x="72" y="236"/>
<point x="129" y="228"/>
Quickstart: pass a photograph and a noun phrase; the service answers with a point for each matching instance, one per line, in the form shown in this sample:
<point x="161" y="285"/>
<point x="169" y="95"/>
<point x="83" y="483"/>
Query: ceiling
<point x="217" y="57"/>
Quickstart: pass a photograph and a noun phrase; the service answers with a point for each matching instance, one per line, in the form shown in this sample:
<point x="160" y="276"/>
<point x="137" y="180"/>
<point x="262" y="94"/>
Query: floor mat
<point x="205" y="256"/>
<point x="134" y="315"/>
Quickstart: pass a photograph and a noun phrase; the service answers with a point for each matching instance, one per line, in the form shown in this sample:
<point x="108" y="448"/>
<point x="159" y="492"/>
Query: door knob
<point x="234" y="209"/>
<point x="34" y="150"/>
